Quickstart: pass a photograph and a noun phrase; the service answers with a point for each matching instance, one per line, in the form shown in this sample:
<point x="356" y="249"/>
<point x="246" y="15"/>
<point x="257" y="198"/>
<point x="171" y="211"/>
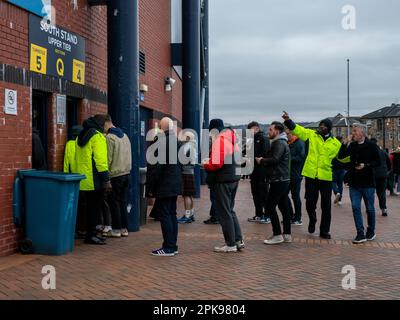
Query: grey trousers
<point x="225" y="202"/>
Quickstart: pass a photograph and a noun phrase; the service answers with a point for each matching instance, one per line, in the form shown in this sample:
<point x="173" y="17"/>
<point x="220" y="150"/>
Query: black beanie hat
<point x="328" y="123"/>
<point x="216" y="124"/>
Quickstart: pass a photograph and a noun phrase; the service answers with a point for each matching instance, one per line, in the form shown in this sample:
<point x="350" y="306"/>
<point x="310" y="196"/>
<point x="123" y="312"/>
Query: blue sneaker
<point x="185" y="219"/>
<point x="163" y="252"/>
<point x="264" y="220"/>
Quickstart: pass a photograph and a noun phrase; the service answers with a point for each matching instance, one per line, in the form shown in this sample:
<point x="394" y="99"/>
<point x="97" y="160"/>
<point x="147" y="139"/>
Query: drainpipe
<point x="206" y="81"/>
<point x="123" y="87"/>
<point x="191" y="72"/>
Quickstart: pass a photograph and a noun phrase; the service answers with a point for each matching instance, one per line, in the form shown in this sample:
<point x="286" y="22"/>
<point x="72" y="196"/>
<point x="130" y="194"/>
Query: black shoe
<point x="99" y="236"/>
<point x="325" y="235"/>
<point x="370" y="236"/>
<point x="360" y="238"/>
<point x="95" y="240"/>
<point x="311" y="227"/>
<point x="211" y="221"/>
<point x="384" y="213"/>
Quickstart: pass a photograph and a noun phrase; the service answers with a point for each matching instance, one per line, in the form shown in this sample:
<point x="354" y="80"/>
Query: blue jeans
<point x="337" y="183"/>
<point x="398" y="182"/>
<point x="169" y="224"/>
<point x="368" y="194"/>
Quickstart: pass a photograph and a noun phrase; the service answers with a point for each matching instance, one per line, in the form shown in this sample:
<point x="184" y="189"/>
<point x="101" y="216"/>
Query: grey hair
<point x="362" y="126"/>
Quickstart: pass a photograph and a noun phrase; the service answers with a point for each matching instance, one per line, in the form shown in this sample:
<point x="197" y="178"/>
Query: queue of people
<point x="102" y="152"/>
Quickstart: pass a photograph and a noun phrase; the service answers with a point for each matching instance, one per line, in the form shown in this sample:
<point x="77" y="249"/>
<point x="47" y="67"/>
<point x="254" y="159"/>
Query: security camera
<point x="170" y="81"/>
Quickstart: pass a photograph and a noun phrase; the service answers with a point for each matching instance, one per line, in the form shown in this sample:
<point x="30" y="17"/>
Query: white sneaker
<point x="287" y="238"/>
<point x="240" y="245"/>
<point x="274" y="240"/>
<point x="107" y="229"/>
<point x="337" y="199"/>
<point x="124" y="233"/>
<point x="225" y="249"/>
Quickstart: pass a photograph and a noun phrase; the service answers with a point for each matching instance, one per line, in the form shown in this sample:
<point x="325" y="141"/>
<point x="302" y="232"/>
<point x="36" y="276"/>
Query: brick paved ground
<point x="309" y="268"/>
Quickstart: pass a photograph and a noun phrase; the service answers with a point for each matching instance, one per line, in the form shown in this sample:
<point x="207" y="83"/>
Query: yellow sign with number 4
<point x="78" y="72"/>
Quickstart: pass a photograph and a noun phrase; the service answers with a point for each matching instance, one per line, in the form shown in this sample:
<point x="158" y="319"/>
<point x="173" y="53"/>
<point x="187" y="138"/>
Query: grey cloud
<point x="269" y="55"/>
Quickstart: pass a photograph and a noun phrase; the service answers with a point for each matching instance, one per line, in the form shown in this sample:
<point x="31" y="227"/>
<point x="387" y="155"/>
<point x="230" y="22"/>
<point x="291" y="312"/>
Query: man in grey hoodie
<point x="120" y="164"/>
<point x="277" y="162"/>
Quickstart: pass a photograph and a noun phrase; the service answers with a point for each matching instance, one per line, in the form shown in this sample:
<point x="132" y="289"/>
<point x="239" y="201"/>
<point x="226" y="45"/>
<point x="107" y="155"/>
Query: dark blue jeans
<point x="337" y="183"/>
<point x="368" y="194"/>
<point x="295" y="187"/>
<point x="166" y="211"/>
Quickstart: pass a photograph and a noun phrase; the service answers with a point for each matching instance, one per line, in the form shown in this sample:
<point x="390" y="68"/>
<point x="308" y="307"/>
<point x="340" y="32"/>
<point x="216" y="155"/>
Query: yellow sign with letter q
<point x="60" y="67"/>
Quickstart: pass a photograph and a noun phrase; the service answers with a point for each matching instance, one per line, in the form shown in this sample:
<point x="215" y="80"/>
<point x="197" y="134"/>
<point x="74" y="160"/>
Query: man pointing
<point x="317" y="170"/>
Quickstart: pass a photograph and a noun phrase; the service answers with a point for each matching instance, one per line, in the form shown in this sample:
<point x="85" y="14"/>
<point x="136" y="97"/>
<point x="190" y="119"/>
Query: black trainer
<point x="311" y="227"/>
<point x="370" y="236"/>
<point x="94" y="240"/>
<point x="325" y="235"/>
<point x="360" y="238"/>
<point x="211" y="221"/>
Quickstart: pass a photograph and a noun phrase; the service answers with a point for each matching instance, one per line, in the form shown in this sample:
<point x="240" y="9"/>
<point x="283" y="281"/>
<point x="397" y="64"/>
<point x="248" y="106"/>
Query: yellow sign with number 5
<point x="38" y="61"/>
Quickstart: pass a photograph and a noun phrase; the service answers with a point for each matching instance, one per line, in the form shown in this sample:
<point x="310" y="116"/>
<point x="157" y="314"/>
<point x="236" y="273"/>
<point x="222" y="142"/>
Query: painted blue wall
<point x="34" y="6"/>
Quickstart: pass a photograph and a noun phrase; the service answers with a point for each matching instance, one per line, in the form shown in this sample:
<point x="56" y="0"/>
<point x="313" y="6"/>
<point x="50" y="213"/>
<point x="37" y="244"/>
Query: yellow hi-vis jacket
<point x="318" y="164"/>
<point x="91" y="160"/>
<point x="69" y="157"/>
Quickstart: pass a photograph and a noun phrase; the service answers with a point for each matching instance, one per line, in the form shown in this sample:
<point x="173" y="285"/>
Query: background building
<point x="384" y="125"/>
<point x="339" y="124"/>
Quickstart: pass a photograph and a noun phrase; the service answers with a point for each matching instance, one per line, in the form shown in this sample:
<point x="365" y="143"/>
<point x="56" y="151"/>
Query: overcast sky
<point x="272" y="55"/>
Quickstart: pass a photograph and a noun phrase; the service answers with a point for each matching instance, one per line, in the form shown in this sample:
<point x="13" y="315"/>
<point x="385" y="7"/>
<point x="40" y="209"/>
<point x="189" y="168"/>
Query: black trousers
<point x="314" y="187"/>
<point x="279" y="196"/>
<point x="118" y="201"/>
<point x="104" y="218"/>
<point x="259" y="191"/>
<point x="295" y="187"/>
<point x="213" y="210"/>
<point x="94" y="204"/>
<point x="166" y="212"/>
<point x="82" y="213"/>
<point x="381" y="184"/>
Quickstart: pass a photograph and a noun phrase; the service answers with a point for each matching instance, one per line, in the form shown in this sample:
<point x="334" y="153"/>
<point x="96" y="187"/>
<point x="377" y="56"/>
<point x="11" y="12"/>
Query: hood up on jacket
<point x="90" y="128"/>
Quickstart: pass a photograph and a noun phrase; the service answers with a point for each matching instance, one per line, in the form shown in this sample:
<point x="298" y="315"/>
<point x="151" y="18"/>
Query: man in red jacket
<point x="225" y="170"/>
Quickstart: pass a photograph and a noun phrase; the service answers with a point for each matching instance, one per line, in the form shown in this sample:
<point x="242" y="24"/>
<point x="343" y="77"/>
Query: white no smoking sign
<point x="11" y="104"/>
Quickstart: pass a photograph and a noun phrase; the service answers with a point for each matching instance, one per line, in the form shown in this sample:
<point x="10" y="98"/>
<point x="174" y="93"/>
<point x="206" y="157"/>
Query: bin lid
<point x="60" y="176"/>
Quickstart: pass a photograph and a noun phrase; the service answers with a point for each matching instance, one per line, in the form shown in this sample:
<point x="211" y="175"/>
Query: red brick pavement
<point x="308" y="268"/>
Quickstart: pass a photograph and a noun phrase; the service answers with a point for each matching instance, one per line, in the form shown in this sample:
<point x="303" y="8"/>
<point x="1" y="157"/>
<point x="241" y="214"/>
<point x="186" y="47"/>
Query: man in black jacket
<point x="364" y="158"/>
<point x="381" y="176"/>
<point x="277" y="163"/>
<point x="164" y="182"/>
<point x="258" y="179"/>
<point x="297" y="157"/>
